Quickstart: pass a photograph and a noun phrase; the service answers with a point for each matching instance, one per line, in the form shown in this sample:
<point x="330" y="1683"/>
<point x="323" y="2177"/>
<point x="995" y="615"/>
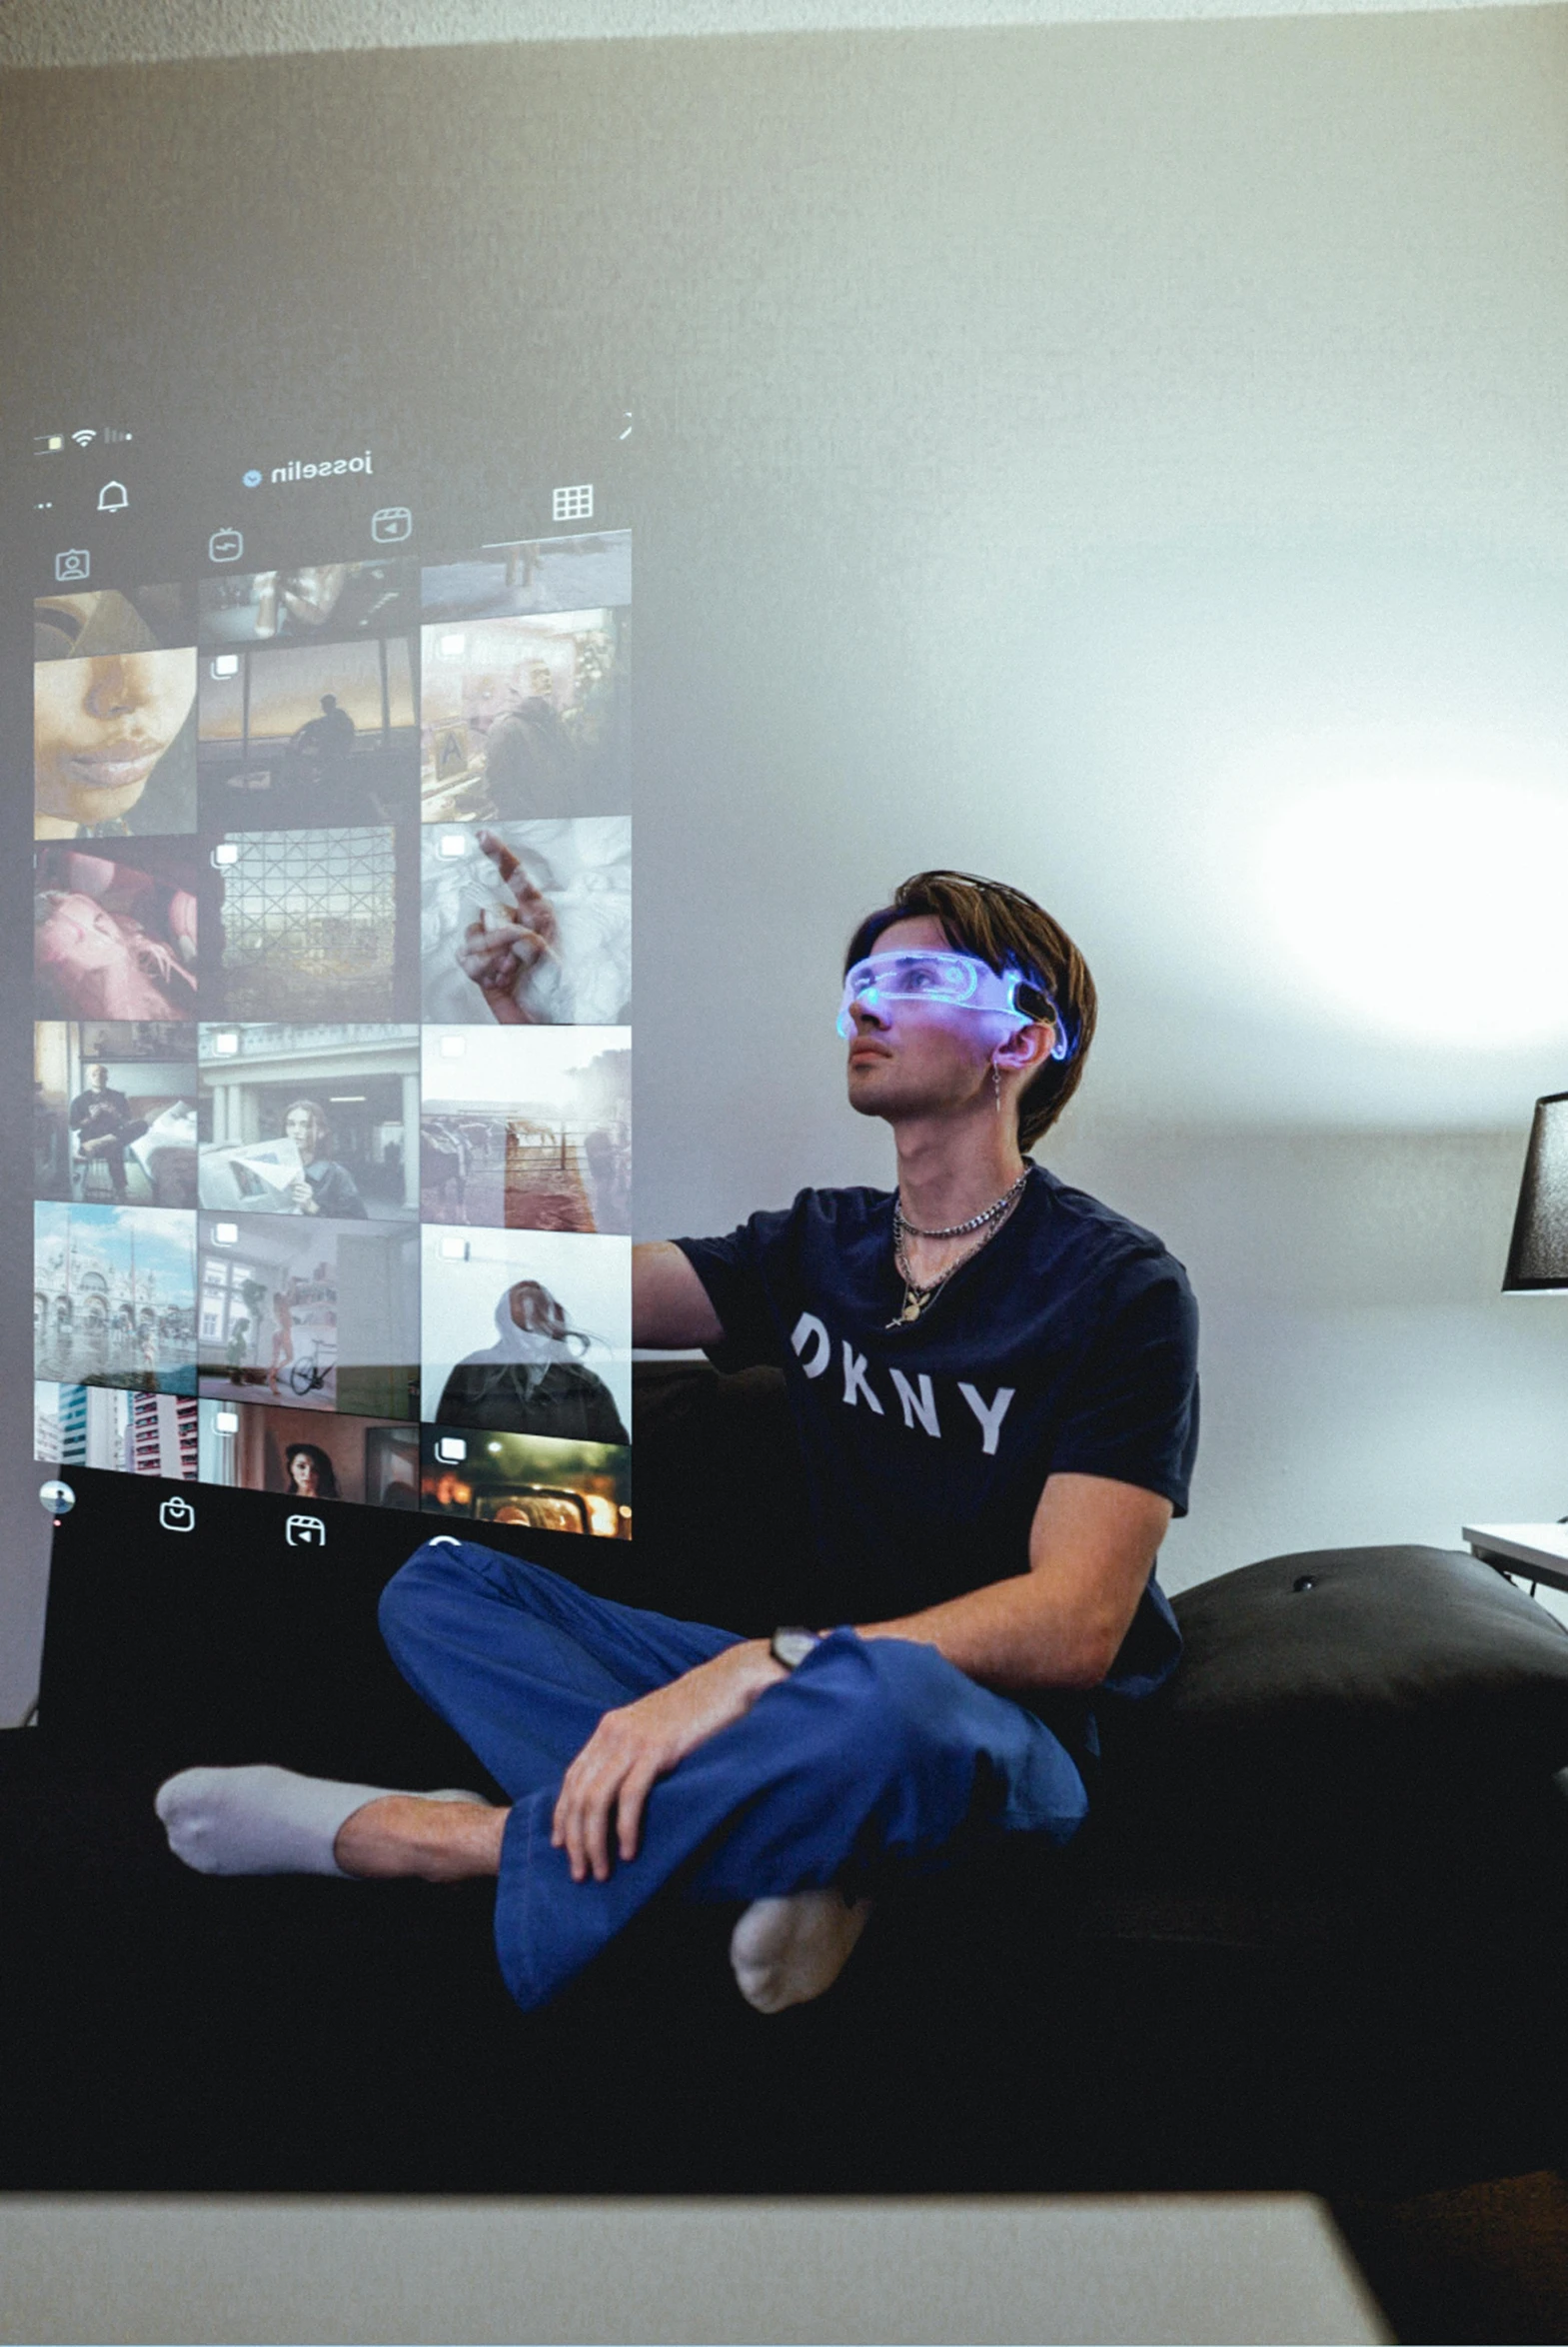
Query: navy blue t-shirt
<point x="1069" y="1344"/>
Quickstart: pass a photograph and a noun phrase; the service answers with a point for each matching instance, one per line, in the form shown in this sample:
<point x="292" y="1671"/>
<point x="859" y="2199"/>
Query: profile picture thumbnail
<point x="114" y="1297"/>
<point x="319" y="1121"/>
<point x="313" y="1314"/>
<point x="527" y="1129"/>
<point x="591" y="572"/>
<point x="527" y="924"/>
<point x="308" y="1456"/>
<point x="114" y="1113"/>
<point x="528" y="1333"/>
<point x="312" y="733"/>
<point x="114" y="931"/>
<point x="314" y="603"/>
<point x="525" y="716"/>
<point x="114" y="744"/>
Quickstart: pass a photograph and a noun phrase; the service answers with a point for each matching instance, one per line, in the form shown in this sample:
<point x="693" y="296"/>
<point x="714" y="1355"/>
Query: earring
<point x="997" y="1085"/>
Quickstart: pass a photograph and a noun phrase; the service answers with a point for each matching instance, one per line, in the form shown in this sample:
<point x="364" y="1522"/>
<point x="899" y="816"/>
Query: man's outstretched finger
<point x="630" y="1806"/>
<point x="500" y="857"/>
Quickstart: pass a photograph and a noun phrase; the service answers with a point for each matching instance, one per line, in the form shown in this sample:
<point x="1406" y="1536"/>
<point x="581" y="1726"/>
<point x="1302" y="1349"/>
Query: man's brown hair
<point x="1007" y="931"/>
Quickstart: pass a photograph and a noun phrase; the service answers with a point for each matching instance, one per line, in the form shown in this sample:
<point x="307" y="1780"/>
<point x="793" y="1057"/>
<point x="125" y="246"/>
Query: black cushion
<point x="1346" y="1695"/>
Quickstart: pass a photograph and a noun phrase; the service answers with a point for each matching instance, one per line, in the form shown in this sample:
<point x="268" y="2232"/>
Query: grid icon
<point x="573" y="505"/>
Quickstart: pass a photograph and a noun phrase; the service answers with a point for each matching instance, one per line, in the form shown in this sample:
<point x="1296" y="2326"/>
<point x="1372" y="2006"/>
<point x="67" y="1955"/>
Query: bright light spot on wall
<point x="1433" y="906"/>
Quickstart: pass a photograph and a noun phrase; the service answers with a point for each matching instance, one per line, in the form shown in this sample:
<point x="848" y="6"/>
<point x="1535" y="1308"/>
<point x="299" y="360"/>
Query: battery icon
<point x="48" y="443"/>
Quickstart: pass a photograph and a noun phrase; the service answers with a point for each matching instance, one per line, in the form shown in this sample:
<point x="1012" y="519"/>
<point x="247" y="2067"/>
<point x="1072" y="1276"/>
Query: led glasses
<point x="958" y="981"/>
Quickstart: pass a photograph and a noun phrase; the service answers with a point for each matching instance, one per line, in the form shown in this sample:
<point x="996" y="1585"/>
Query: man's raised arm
<point x="670" y="1307"/>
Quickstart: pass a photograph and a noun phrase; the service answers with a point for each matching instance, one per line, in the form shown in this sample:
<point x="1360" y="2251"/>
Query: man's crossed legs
<point x="871" y="1751"/>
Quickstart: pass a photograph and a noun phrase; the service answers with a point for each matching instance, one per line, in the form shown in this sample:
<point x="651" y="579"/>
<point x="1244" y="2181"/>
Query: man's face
<point x="907" y="1058"/>
<point x="98" y="1078"/>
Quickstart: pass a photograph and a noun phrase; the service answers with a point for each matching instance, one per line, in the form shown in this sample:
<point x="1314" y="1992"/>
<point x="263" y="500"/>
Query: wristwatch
<point x="791" y="1645"/>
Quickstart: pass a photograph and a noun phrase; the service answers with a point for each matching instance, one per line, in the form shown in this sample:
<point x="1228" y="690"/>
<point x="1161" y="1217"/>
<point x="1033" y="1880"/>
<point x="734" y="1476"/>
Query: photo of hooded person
<point x="532" y="1381"/>
<point x="114" y="735"/>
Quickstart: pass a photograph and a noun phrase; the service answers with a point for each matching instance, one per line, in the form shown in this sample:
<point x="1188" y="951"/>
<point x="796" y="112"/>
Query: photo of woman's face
<point x="306" y="1131"/>
<point x="100" y="726"/>
<point x="302" y="1469"/>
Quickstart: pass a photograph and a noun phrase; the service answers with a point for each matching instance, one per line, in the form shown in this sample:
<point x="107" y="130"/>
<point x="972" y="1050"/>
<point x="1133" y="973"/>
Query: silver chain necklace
<point x="917" y="1298"/>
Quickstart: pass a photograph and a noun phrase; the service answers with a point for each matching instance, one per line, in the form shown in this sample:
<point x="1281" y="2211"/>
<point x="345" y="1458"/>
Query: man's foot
<point x="786" y="1951"/>
<point x="265" y="1820"/>
<point x="439" y="1838"/>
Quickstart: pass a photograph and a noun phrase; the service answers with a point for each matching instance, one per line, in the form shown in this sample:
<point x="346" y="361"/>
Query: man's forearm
<point x="670" y="1310"/>
<point x="1092" y="1547"/>
<point x="1010" y="1636"/>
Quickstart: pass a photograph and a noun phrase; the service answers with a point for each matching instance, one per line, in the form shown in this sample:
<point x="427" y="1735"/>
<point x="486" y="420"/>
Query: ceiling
<point x="108" y="32"/>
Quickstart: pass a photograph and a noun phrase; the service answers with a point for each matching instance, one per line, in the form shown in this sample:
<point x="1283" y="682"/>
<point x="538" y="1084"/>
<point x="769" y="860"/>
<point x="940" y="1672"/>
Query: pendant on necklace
<point x="912" y="1310"/>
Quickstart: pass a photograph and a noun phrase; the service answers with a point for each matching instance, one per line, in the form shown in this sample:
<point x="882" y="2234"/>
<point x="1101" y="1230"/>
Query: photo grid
<point x="332" y="1104"/>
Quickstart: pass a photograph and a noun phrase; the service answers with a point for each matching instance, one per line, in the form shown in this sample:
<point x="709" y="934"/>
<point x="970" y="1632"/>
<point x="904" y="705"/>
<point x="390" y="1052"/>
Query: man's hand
<point x="634" y="1746"/>
<point x="503" y="946"/>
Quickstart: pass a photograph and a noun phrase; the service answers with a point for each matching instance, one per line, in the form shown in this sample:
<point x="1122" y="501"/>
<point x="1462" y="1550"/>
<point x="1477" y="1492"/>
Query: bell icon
<point x="112" y="497"/>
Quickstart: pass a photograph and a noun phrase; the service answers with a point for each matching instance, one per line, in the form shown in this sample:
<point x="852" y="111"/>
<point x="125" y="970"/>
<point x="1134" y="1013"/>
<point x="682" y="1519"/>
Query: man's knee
<point x="895" y="1705"/>
<point x="404" y="1610"/>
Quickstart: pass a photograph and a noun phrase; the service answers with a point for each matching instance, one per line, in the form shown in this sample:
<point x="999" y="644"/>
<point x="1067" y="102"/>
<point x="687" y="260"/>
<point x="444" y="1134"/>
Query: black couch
<point x="1311" y="1937"/>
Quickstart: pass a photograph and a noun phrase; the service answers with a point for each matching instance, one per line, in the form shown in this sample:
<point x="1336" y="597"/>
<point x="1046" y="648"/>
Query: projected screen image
<point x="332" y="1031"/>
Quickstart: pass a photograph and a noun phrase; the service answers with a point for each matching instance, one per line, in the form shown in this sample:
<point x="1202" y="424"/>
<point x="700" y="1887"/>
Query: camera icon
<point x="305" y="1532"/>
<point x="177" y="1515"/>
<point x="391" y="523"/>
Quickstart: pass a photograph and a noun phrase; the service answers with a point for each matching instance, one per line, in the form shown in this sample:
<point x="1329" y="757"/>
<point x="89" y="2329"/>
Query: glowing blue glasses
<point x="958" y="980"/>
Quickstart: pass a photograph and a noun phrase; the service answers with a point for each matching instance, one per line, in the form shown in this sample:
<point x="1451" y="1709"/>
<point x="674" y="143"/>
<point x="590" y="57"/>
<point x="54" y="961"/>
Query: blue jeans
<point x="872" y="1752"/>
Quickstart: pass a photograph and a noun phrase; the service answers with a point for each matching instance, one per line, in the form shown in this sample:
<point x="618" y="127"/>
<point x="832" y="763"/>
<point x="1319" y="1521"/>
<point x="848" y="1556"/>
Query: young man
<point x="993" y="1381"/>
<point x="103" y="1127"/>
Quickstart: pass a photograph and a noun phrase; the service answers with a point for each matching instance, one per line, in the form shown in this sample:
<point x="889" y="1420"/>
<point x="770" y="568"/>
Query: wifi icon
<point x="83" y="438"/>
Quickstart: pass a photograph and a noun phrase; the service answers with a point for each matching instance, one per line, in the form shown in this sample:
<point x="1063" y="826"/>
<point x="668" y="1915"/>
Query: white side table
<point x="1539" y="1552"/>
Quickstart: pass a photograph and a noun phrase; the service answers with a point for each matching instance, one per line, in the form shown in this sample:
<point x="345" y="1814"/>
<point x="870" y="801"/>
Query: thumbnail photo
<point x="534" y="1479"/>
<point x="317" y="603"/>
<point x="304" y="1455"/>
<point x="527" y="924"/>
<point x="528" y="1333"/>
<point x="315" y="733"/>
<point x="114" y="1297"/>
<point x="125" y="1433"/>
<point x="525" y="716"/>
<point x="311" y="1120"/>
<point x="81" y="626"/>
<point x="114" y="744"/>
<point x="114" y="1114"/>
<point x="319" y="1315"/>
<point x="114" y="931"/>
<point x="590" y="573"/>
<point x="307" y="926"/>
<point x="527" y="1129"/>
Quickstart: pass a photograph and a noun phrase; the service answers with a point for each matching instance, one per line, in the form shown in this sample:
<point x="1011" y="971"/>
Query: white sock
<point x="786" y="1951"/>
<point x="265" y="1820"/>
